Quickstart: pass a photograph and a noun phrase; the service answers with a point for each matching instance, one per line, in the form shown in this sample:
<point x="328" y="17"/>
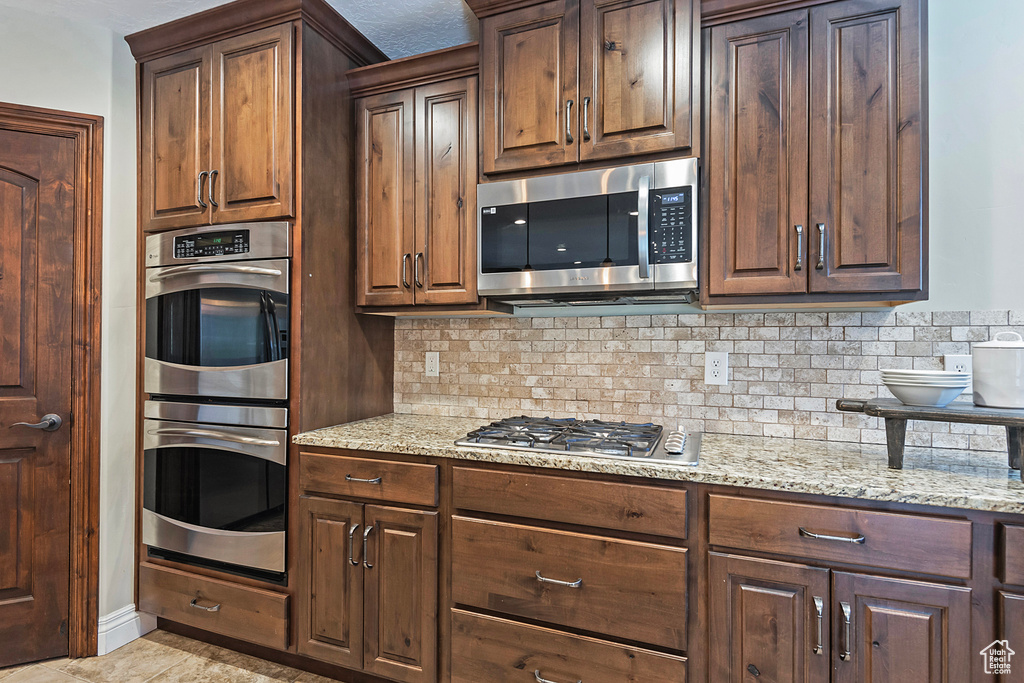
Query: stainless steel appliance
<point x="626" y="229"/>
<point x="217" y="303"/>
<point x="596" y="438"/>
<point x="216" y="486"/>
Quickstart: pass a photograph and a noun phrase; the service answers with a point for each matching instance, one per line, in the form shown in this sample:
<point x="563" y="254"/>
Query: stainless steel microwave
<point x="628" y="229"/>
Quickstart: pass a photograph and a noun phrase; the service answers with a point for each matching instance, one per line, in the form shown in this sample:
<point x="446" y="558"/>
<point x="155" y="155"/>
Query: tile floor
<point x="160" y="657"/>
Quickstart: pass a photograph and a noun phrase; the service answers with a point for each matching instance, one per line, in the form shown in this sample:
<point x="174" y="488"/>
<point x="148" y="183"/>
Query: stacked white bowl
<point x="931" y="388"/>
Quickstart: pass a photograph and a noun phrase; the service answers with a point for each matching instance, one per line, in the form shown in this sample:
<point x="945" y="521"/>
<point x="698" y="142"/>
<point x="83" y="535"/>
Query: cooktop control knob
<point x="674" y="442"/>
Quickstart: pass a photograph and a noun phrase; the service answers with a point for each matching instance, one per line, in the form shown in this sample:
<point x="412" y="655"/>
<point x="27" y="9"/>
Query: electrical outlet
<point x="716" y="368"/>
<point x="432" y="364"/>
<point x="962" y="364"/>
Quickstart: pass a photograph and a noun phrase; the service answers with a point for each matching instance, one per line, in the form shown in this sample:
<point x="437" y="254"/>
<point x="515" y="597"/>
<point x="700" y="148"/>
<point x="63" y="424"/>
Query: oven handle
<point x="642" y="226"/>
<point x="211" y="434"/>
<point x="213" y="268"/>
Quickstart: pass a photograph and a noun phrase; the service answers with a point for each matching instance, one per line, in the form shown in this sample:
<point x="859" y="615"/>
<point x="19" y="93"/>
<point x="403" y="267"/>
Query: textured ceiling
<point x="398" y="27"/>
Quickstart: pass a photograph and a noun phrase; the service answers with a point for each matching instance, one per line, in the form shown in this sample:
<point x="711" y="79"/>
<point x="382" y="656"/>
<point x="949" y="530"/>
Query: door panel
<point x="758" y="134"/>
<point x="529" y="63"/>
<point x="635" y="69"/>
<point x="37" y="205"/>
<point x="330" y="613"/>
<point x="251" y="126"/>
<point x="385" y="186"/>
<point x="866" y="147"/>
<point x="901" y="630"/>
<point x="1012" y="631"/>
<point x="765" y="621"/>
<point x="401" y="594"/>
<point x="446" y="178"/>
<point x="175" y="140"/>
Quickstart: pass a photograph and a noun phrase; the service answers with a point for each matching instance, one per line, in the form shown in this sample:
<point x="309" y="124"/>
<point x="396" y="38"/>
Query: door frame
<point x="87" y="132"/>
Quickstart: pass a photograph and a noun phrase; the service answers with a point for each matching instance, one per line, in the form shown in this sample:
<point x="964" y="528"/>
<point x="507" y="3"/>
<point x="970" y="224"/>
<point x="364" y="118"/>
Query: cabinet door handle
<point x="213" y="177"/>
<point x="539" y="679"/>
<point x="586" y="116"/>
<point x="819" y="608"/>
<point x="859" y="538"/>
<point x="195" y="601"/>
<point x="375" y="480"/>
<point x="199" y="188"/>
<point x="416" y="264"/>
<point x="847" y="619"/>
<point x="405" y="270"/>
<point x="351" y="542"/>
<point x="366" y="557"/>
<point x="568" y="584"/>
<point x="821" y="246"/>
<point x="568" y="126"/>
<point x="799" y="248"/>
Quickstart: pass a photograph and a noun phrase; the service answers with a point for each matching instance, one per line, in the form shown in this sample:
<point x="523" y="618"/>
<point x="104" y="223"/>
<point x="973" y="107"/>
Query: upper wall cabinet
<point x="217" y="132"/>
<point x="569" y="81"/>
<point x="816" y="154"/>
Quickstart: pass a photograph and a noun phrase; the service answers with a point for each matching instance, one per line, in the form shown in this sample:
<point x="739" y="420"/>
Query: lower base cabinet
<point x="1012" y="631"/>
<point x="487" y="649"/>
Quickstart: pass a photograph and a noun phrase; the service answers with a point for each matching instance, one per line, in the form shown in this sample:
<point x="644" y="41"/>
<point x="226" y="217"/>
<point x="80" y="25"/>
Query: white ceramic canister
<point x="999" y="371"/>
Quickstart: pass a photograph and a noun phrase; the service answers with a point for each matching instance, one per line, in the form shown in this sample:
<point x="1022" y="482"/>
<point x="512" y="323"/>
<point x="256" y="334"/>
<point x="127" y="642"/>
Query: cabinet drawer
<point x="499" y="651"/>
<point x="930" y="545"/>
<point x="625" y="507"/>
<point x="1013" y="554"/>
<point x="398" y="482"/>
<point x="247" y="613"/>
<point x="620" y="588"/>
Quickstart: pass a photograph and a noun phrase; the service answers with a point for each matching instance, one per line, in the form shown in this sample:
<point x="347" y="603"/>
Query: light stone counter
<point x="947" y="478"/>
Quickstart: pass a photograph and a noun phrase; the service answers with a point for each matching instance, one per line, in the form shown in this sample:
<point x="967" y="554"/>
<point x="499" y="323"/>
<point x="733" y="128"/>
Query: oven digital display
<point x="673" y="198"/>
<point x="212" y="244"/>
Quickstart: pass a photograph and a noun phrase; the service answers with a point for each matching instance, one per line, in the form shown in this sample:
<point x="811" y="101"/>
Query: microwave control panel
<point x="212" y="244"/>
<point x="671" y="225"/>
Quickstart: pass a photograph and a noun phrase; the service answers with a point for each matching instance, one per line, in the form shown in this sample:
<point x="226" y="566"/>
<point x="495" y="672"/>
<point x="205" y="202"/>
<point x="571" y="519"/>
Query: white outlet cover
<point x="432" y="364"/>
<point x="953" y="362"/>
<point x="716" y="368"/>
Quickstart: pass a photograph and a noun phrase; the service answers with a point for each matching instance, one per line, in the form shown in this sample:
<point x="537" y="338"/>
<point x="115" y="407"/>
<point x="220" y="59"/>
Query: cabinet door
<point x="635" y="76"/>
<point x="758" y="231"/>
<point x="528" y="69"/>
<point x="400" y="640"/>
<point x="175" y="140"/>
<point x="252" y="132"/>
<point x="445" y="268"/>
<point x="769" y="621"/>
<point x="330" y="591"/>
<point x="899" y="631"/>
<point x="1012" y="631"/>
<point x="385" y="199"/>
<point x="867" y="147"/>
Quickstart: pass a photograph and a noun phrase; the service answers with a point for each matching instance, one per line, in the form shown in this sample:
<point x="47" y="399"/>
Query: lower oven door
<point x="216" y="492"/>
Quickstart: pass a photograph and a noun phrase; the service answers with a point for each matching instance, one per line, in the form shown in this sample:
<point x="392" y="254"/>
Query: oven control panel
<point x="671" y="225"/>
<point x="211" y="244"/>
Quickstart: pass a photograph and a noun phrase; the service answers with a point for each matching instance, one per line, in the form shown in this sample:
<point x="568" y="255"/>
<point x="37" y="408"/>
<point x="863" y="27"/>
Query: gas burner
<point x="586" y="437"/>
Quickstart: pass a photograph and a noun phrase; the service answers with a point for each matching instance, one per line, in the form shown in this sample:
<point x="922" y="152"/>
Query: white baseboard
<point x="122" y="627"/>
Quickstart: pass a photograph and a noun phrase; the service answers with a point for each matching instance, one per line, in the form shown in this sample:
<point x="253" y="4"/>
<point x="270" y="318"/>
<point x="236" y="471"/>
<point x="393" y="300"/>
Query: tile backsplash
<point x="786" y="369"/>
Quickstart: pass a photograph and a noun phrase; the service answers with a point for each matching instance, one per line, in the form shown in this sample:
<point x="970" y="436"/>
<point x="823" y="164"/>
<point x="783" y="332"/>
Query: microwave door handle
<point x="213" y="268"/>
<point x="212" y="434"/>
<point x="643" y="226"/>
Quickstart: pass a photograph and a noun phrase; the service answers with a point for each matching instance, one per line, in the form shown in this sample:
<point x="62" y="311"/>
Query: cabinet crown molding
<point x="486" y="8"/>
<point x="243" y="16"/>
<point x="430" y="67"/>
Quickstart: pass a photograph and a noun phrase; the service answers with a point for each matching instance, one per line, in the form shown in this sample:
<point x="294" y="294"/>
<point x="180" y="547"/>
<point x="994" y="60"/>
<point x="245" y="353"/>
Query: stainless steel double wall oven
<point x="216" y="370"/>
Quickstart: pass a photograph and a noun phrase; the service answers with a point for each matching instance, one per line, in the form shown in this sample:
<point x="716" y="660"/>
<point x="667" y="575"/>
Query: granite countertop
<point x="948" y="478"/>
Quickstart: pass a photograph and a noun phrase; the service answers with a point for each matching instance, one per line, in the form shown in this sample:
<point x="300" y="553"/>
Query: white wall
<point x="977" y="155"/>
<point x="53" y="63"/>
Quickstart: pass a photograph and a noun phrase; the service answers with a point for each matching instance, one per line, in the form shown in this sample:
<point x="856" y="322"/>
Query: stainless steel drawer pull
<point x="211" y="434"/>
<point x="366" y="557"/>
<point x="847" y="618"/>
<point x="819" y="608"/>
<point x="405" y="270"/>
<point x="568" y="584"/>
<point x="215" y="608"/>
<point x="540" y="679"/>
<point x="351" y="542"/>
<point x="416" y="267"/>
<point x="213" y="177"/>
<point x="821" y="246"/>
<point x="199" y="188"/>
<point x="586" y="123"/>
<point x="375" y="480"/>
<point x="859" y="538"/>
<point x="799" y="248"/>
<point x="568" y="127"/>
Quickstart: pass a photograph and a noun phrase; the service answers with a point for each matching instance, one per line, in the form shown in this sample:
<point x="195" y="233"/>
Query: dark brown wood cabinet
<point x="217" y="132"/>
<point x="368" y="588"/>
<point x="416" y="192"/>
<point x="816" y="154"/>
<point x="1011" y="629"/>
<point x="570" y="81"/>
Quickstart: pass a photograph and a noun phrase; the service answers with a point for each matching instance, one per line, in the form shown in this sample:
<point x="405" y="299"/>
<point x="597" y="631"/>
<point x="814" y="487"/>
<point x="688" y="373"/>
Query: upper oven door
<point x="218" y="330"/>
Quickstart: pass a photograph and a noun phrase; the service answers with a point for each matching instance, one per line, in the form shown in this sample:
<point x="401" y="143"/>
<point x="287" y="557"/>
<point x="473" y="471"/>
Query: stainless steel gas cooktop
<point x="617" y="440"/>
